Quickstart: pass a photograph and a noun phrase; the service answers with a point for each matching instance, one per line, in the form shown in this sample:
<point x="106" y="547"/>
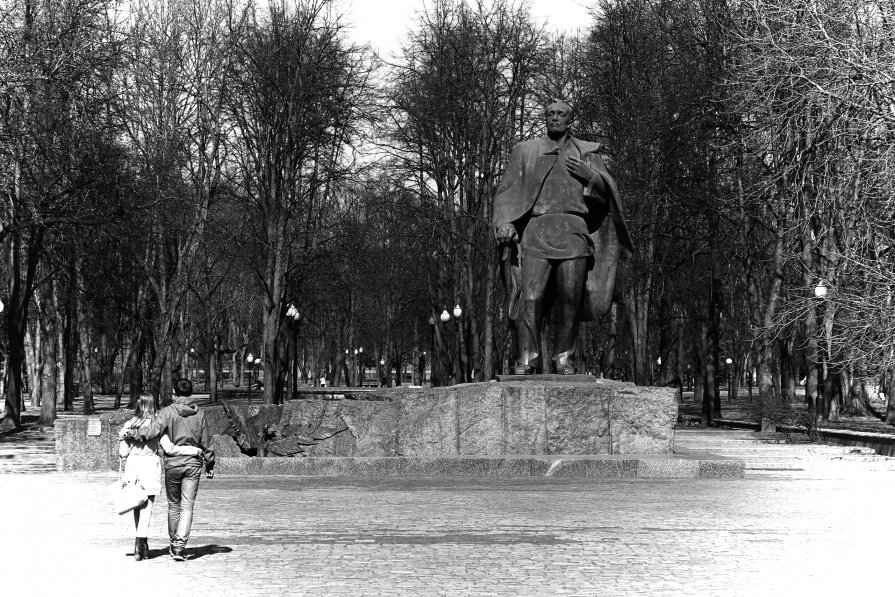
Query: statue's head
<point x="559" y="116"/>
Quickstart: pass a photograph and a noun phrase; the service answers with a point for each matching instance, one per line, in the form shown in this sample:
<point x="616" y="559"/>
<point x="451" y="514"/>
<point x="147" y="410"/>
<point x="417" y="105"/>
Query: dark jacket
<point x="186" y="426"/>
<point x="528" y="166"/>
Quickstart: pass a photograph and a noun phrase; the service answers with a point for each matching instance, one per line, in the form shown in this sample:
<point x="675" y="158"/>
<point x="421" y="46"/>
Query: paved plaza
<point x="805" y="520"/>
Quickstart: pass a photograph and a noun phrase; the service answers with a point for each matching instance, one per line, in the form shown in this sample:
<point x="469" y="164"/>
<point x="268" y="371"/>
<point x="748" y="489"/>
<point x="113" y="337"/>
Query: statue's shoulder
<point x="526" y="146"/>
<point x="588" y="146"/>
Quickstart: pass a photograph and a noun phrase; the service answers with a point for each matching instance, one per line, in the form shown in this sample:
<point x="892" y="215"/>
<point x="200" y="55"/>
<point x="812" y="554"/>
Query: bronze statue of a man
<point x="559" y="211"/>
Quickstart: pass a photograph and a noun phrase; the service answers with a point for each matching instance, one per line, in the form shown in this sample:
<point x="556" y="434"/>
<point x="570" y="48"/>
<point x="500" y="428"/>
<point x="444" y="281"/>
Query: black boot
<point x="144" y="547"/>
<point x="138" y="551"/>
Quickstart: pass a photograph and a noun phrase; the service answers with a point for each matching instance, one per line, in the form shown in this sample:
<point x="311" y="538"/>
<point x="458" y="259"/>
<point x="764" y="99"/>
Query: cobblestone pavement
<point x="807" y="520"/>
<point x="799" y="532"/>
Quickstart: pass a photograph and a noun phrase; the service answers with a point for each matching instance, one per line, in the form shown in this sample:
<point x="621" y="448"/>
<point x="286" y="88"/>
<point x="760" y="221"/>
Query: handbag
<point x="126" y="494"/>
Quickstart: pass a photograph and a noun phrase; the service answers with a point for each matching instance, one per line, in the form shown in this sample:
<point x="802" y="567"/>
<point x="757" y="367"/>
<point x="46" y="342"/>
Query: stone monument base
<point x="530" y="417"/>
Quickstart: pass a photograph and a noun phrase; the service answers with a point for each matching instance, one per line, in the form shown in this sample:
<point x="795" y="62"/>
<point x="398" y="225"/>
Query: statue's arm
<point x="594" y="172"/>
<point x="508" y="198"/>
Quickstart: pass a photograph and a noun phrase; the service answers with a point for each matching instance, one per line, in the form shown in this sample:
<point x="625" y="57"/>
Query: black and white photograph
<point x="447" y="297"/>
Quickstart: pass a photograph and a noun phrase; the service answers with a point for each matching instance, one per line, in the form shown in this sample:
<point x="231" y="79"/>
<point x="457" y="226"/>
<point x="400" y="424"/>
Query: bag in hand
<point x="127" y="494"/>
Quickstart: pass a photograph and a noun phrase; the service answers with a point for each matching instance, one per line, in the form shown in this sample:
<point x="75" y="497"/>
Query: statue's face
<point x="559" y="116"/>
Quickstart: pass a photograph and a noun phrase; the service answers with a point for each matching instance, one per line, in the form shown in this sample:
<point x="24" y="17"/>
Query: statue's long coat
<point x="526" y="170"/>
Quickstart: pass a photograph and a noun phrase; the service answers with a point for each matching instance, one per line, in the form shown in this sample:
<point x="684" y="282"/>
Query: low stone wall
<point x="480" y="419"/>
<point x="89" y="443"/>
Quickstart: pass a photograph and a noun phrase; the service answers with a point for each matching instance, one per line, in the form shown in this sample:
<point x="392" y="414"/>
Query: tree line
<point x="188" y="182"/>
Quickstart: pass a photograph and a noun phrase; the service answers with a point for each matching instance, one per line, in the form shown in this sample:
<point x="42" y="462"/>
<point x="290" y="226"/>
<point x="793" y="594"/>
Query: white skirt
<point x="147" y="470"/>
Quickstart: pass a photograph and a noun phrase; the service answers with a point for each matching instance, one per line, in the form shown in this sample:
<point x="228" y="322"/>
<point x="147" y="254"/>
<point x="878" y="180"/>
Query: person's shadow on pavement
<point x="193" y="553"/>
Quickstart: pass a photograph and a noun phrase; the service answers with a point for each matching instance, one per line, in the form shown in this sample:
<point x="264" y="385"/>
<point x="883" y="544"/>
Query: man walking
<point x="185" y="425"/>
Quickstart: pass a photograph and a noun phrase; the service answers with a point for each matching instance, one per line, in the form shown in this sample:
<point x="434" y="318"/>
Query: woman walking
<point x="144" y="464"/>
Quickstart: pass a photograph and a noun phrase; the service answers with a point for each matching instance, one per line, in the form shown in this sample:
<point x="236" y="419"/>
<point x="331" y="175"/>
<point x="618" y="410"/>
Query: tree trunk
<point x="698" y="368"/>
<point x="714" y="337"/>
<point x="34" y="362"/>
<point x="857" y="401"/>
<point x="610" y="353"/>
<point x="213" y="371"/>
<point x="767" y="390"/>
<point x="69" y="344"/>
<point x="890" y="397"/>
<point x="788" y="373"/>
<point x="709" y="387"/>
<point x="49" y="349"/>
<point x="489" y="358"/>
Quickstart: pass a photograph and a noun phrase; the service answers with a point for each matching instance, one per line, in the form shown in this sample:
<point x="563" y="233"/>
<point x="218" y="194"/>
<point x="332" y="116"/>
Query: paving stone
<point x="281" y="535"/>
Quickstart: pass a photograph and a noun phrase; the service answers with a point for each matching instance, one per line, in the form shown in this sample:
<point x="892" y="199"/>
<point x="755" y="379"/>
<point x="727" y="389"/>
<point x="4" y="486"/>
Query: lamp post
<point x="250" y="358"/>
<point x="423" y="369"/>
<point x="361" y="373"/>
<point x="445" y="317"/>
<point x="820" y="291"/>
<point x="383" y="376"/>
<point x="729" y="362"/>
<point x="293" y="316"/>
<point x="461" y="377"/>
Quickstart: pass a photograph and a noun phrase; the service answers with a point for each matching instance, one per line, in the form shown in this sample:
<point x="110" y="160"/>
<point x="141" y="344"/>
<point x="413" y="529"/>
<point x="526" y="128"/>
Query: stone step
<point x="678" y="466"/>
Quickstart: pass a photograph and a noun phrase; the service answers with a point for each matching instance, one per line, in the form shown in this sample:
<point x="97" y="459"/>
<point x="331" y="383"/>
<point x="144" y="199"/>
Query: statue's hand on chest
<point x="580" y="169"/>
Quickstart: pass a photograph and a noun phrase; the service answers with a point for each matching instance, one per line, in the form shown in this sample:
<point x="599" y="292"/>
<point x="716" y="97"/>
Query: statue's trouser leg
<point x="535" y="275"/>
<point x="570" y="278"/>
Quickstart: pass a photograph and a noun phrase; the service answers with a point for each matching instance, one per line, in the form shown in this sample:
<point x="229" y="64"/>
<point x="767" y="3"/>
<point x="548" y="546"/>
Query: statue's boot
<point x="565" y="364"/>
<point x="528" y="367"/>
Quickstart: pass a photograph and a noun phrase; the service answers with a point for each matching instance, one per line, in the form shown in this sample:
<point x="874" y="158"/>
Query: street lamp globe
<point x="250" y="358"/>
<point x="382" y="362"/>
<point x="820" y="290"/>
<point x="445" y="316"/>
<point x="355" y="352"/>
<point x="458" y="311"/>
<point x="361" y="350"/>
<point x="729" y="360"/>
<point x="659" y="361"/>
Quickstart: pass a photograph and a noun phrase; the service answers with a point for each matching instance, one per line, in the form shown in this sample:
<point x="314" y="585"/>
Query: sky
<point x="383" y="23"/>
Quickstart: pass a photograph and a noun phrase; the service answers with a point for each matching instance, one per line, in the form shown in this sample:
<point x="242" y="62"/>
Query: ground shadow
<point x="192" y="553"/>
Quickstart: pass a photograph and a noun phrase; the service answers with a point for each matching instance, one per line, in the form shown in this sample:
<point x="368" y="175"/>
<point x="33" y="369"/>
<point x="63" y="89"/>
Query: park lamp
<point x="250" y="358"/>
<point x="382" y="362"/>
<point x="729" y="361"/>
<point x="659" y="361"/>
<point x="820" y="291"/>
<point x="458" y="311"/>
<point x="445" y="316"/>
<point x="355" y="352"/>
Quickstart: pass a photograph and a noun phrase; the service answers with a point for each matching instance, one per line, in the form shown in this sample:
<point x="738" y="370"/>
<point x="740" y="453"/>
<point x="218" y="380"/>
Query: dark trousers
<point x="569" y="277"/>
<point x="181" y="485"/>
